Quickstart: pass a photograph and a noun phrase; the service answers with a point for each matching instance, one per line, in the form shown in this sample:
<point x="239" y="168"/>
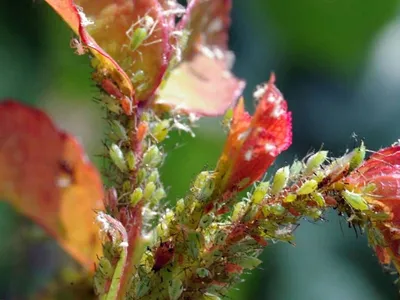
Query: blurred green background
<point x="338" y="65"/>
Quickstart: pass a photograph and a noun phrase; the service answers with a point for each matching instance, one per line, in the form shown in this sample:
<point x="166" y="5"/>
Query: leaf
<point x="203" y="84"/>
<point x="103" y="26"/>
<point x="46" y="176"/>
<point x="254" y="142"/>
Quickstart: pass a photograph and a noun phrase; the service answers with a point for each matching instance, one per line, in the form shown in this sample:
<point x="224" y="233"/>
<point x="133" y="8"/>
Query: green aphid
<point x="260" y="192"/>
<point x="220" y="237"/>
<point x="203" y="273"/>
<point x="118" y="130"/>
<point x="355" y="200"/>
<point x="99" y="282"/>
<point x="154" y="176"/>
<point x="290" y="198"/>
<point x="140" y="34"/>
<point x="152" y="157"/>
<point x="160" y="130"/>
<point x="141" y="175"/>
<point x="117" y="157"/>
<point x="175" y="289"/>
<point x="315" y="161"/>
<point x="358" y="157"/>
<point x="280" y="180"/>
<point x="247" y="262"/>
<point x="136" y="196"/>
<point x="138" y="76"/>
<point x="131" y="160"/>
<point x="318" y="198"/>
<point x="276" y="209"/>
<point x="209" y="296"/>
<point x="143" y="286"/>
<point x="193" y="243"/>
<point x="203" y="186"/>
<point x="238" y="211"/>
<point x="158" y="195"/>
<point x="105" y="267"/>
<point x="205" y="221"/>
<point x="296" y="168"/>
<point x="149" y="189"/>
<point x="307" y="187"/>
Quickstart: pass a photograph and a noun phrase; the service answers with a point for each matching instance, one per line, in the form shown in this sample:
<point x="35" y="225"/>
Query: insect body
<point x="138" y="35"/>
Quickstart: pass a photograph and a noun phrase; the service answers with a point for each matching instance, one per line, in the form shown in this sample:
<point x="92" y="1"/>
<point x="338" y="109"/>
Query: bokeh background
<point x="338" y="65"/>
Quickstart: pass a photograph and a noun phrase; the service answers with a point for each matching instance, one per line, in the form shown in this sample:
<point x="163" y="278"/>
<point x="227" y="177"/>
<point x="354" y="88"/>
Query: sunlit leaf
<point x="203" y="84"/>
<point x="46" y="176"/>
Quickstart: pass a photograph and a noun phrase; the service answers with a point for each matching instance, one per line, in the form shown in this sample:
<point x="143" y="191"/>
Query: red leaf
<point x="203" y="84"/>
<point x="104" y="26"/>
<point x="254" y="142"/>
<point x="46" y="176"/>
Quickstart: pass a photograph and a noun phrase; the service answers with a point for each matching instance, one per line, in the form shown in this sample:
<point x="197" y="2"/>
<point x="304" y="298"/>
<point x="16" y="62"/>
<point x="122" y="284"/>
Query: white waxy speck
<point x="207" y="52"/>
<point x="248" y="155"/>
<point x="244" y="135"/>
<point x="215" y="25"/>
<point x="63" y="182"/>
<point x="269" y="147"/>
<point x="271" y="98"/>
<point x="124" y="244"/>
<point x="259" y="92"/>
<point x="277" y="111"/>
<point x="218" y="53"/>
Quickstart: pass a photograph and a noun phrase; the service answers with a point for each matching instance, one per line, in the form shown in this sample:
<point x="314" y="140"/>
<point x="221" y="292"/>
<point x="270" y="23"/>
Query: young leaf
<point x="46" y="176"/>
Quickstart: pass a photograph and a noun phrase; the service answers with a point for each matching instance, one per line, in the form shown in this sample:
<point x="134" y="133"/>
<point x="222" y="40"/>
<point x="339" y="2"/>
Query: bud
<point x="315" y="161"/>
<point x="152" y="157"/>
<point x="117" y="157"/>
<point x="280" y="180"/>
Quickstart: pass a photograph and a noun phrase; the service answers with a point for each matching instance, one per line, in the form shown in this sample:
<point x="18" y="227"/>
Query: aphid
<point x="139" y="35"/>
<point x="175" y="289"/>
<point x="355" y="200"/>
<point x="247" y="262"/>
<point x="203" y="186"/>
<point x="227" y="120"/>
<point x="136" y="196"/>
<point x="118" y="130"/>
<point x="152" y="157"/>
<point x="131" y="160"/>
<point x="238" y="211"/>
<point x="105" y="267"/>
<point x="280" y="180"/>
<point x="315" y="161"/>
<point x="139" y="76"/>
<point x="358" y="157"/>
<point x="149" y="190"/>
<point x="117" y="157"/>
<point x="307" y="187"/>
<point x="76" y="44"/>
<point x="260" y="192"/>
